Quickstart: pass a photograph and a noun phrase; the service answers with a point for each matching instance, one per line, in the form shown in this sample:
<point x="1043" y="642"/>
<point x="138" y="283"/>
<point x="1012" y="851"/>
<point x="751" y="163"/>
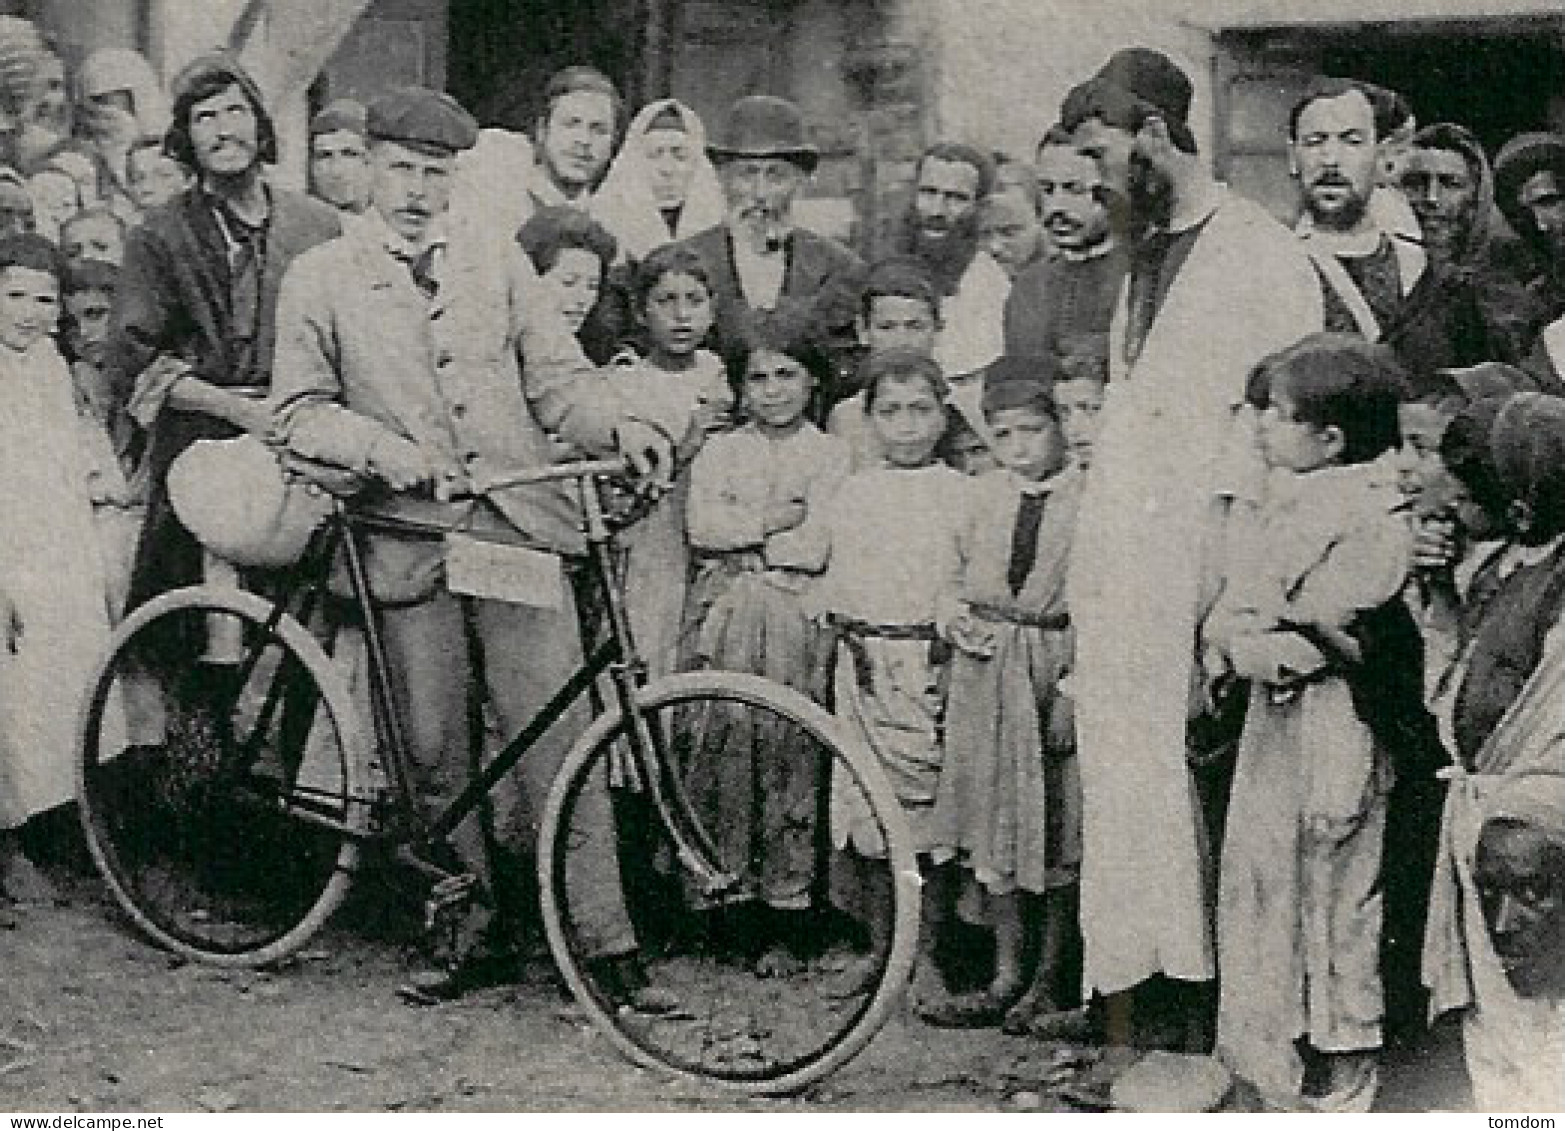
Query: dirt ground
<point x="94" y="1019"/>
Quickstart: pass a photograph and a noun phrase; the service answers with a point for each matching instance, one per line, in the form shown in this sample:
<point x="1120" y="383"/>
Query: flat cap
<point x="420" y="117"/>
<point x="339" y="116"/>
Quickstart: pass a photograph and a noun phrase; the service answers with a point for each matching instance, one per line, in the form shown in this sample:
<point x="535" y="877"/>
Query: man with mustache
<point x="1426" y="303"/>
<point x="575" y="137"/>
<point x="1215" y="285"/>
<point x="1061" y="306"/>
<point x="1529" y="186"/>
<point x="415" y="355"/>
<point x="950" y="183"/>
<point x="190" y="353"/>
<point x="764" y="269"/>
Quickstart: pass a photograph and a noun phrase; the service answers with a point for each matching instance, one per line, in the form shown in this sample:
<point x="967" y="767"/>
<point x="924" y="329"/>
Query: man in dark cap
<point x="190" y="353"/>
<point x="1215" y="285"/>
<point x="339" y="163"/>
<point x="413" y="357"/>
<point x="764" y="270"/>
<point x="1529" y="186"/>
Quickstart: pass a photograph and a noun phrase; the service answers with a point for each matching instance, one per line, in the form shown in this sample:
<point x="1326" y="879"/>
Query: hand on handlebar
<point x="649" y="452"/>
<point x="403" y="466"/>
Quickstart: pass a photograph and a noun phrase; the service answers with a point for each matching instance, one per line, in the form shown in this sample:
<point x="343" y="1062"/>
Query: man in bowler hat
<point x="764" y="269"/>
<point x="412" y="356"/>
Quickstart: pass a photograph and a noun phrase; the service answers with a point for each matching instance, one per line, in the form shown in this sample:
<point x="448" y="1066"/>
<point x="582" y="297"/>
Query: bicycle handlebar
<point x="554" y="473"/>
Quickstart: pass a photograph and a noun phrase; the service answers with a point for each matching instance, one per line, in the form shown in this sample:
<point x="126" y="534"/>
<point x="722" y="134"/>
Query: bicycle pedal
<point x="447" y="897"/>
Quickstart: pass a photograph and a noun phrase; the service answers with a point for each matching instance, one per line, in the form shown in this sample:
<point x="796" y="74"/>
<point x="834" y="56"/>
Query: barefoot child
<point x="1299" y="903"/>
<point x="57" y="624"/>
<point x="894" y="560"/>
<point x="755" y="519"/>
<point x="1008" y="807"/>
<point x="683" y="389"/>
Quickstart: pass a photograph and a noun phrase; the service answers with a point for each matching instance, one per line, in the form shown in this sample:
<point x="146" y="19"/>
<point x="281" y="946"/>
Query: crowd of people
<point x="1196" y="580"/>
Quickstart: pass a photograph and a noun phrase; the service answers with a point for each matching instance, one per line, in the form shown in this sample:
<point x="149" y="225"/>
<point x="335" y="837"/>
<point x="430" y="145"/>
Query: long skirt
<point x="891" y="692"/>
<point x="755" y="780"/>
<point x="1299" y="904"/>
<point x="1008" y="807"/>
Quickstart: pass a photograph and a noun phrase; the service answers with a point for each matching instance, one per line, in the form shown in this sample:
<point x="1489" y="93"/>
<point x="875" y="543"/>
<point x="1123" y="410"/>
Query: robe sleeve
<point x="310" y="420"/>
<point x="718" y="517"/>
<point x="807" y="547"/>
<point x="147" y="313"/>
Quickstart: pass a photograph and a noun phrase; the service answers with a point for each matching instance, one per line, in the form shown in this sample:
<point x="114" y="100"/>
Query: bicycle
<point x="234" y="836"/>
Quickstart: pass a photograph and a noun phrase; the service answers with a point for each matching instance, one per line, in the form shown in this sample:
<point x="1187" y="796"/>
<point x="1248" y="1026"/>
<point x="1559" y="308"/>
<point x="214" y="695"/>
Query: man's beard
<point x="1151" y="200"/>
<point x="947" y="255"/>
<point x="1343" y="218"/>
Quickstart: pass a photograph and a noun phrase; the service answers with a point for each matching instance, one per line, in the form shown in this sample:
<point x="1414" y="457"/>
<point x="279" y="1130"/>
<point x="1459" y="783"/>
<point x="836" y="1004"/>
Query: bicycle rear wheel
<point x="219" y="777"/>
<point x="777" y="980"/>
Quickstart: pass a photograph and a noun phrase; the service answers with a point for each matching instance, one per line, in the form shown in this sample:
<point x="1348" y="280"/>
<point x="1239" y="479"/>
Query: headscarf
<point x="1529" y="454"/>
<point x="119" y="68"/>
<point x="624" y="203"/>
<point x="1535" y="799"/>
<point x="1474" y="253"/>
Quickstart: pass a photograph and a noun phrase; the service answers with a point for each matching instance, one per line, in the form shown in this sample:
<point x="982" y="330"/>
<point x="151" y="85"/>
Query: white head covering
<point x="624" y="203"/>
<point x="489" y="189"/>
<point x="119" y="68"/>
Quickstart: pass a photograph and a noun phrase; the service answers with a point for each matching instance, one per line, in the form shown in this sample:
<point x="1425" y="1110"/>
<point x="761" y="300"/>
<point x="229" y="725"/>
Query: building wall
<point x="1003" y="66"/>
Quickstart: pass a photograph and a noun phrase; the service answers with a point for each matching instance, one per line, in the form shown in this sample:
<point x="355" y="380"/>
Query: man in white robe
<point x="1215" y="286"/>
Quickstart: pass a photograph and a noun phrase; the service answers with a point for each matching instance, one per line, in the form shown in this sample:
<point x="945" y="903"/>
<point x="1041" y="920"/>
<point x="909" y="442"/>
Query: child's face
<point x="1420" y="470"/>
<point x="93" y="237"/>
<point x="29" y="306"/>
<point x="574" y="281"/>
<point x="153" y="178"/>
<point x="678" y="314"/>
<point x="776" y="388"/>
<point x="89" y="309"/>
<point x="895" y="320"/>
<point x="908" y="420"/>
<point x="1079" y="403"/>
<point x="55" y="200"/>
<point x="1291" y="443"/>
<point x="1026" y="441"/>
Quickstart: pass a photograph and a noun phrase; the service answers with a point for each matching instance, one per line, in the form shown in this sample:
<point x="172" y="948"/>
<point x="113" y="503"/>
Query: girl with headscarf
<point x="661" y="187"/>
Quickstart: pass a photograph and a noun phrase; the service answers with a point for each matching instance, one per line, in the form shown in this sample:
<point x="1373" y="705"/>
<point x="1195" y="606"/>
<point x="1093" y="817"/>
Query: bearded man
<point x="942" y="231"/>
<point x="1215" y="285"/>
<point x="765" y="270"/>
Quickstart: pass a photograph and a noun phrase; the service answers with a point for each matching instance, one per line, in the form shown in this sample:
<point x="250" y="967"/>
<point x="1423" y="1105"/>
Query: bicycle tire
<point x="218" y="862"/>
<point x="669" y="1043"/>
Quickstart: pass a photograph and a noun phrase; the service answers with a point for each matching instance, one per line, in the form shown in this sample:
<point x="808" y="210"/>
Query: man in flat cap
<point x="190" y="353"/>
<point x="764" y="269"/>
<point x="412" y="356"/>
<point x="339" y="161"/>
<point x="1215" y="285"/>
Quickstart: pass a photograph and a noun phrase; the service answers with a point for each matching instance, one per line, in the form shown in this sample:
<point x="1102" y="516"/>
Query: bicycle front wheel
<point x="763" y="973"/>
<point x="219" y="777"/>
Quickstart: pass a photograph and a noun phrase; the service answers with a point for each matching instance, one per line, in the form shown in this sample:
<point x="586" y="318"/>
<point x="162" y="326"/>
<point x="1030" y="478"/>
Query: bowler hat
<point x="1523" y="156"/>
<point x="417" y="116"/>
<point x="762" y="125"/>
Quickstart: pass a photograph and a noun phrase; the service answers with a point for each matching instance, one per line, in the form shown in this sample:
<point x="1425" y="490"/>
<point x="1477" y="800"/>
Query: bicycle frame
<point x="645" y="766"/>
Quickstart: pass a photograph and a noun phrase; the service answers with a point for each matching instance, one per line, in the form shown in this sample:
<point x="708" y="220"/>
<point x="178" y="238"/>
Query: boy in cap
<point x="339" y="163"/>
<point x="412" y="357"/>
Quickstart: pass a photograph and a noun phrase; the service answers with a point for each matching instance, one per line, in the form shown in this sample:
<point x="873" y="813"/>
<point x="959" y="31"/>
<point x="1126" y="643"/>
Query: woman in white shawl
<point x="661" y="187"/>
